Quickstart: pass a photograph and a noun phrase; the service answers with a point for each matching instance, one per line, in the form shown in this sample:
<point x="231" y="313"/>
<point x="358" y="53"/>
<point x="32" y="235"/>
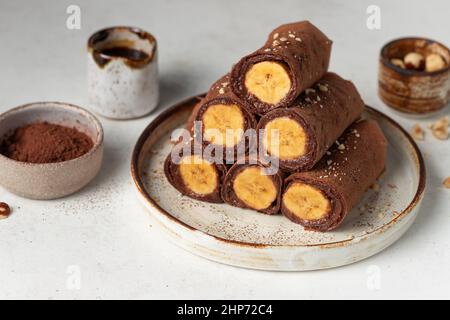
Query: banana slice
<point x="223" y="124"/>
<point x="284" y="138"/>
<point x="306" y="202"/>
<point x="199" y="175"/>
<point x="269" y="81"/>
<point x="255" y="189"/>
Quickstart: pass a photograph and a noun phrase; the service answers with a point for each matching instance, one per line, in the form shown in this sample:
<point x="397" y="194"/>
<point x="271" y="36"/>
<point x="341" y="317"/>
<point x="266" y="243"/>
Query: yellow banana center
<point x="285" y="138"/>
<point x="255" y="189"/>
<point x="306" y="202"/>
<point x="199" y="175"/>
<point x="223" y="124"/>
<point x="269" y="81"/>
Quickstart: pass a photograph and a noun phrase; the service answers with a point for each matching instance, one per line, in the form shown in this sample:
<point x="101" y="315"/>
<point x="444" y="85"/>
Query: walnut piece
<point x="440" y="128"/>
<point x="446" y="183"/>
<point x="417" y="132"/>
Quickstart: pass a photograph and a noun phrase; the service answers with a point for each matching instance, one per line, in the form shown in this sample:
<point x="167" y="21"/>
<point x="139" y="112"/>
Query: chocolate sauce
<point x="134" y="58"/>
<point x="124" y="52"/>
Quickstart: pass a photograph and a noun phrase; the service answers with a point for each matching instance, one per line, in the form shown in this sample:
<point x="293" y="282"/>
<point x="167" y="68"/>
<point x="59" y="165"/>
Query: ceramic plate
<point x="249" y="239"/>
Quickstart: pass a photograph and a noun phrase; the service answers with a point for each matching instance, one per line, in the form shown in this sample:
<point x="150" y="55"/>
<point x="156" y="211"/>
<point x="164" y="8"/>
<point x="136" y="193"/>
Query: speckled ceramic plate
<point x="249" y="239"/>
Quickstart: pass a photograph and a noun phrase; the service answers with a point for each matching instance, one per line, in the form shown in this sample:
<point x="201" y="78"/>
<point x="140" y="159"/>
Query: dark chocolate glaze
<point x="324" y="111"/>
<point x="173" y="175"/>
<point x="220" y="93"/>
<point x="124" y="52"/>
<point x="229" y="196"/>
<point x="303" y="48"/>
<point x="132" y="57"/>
<point x="344" y="175"/>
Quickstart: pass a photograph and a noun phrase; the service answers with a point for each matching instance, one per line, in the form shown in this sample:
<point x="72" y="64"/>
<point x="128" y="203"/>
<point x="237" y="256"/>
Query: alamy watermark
<point x="227" y="152"/>
<point x="373" y="21"/>
<point x="73" y="21"/>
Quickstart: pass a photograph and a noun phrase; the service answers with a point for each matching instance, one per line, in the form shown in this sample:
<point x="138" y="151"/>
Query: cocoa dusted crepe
<point x="294" y="57"/>
<point x="247" y="185"/>
<point x="300" y="135"/>
<point x="195" y="175"/>
<point x="219" y="111"/>
<point x="320" y="199"/>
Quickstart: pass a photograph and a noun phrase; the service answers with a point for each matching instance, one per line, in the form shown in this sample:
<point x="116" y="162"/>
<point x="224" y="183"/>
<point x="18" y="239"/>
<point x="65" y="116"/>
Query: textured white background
<point x="104" y="233"/>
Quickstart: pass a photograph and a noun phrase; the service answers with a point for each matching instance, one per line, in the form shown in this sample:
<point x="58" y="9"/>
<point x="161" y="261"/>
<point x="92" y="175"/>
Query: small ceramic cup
<point x="51" y="180"/>
<point x="411" y="91"/>
<point x="122" y="73"/>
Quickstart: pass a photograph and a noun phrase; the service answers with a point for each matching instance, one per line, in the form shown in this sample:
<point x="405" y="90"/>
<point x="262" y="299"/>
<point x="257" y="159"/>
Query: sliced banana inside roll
<point x="199" y="175"/>
<point x="223" y="124"/>
<point x="306" y="202"/>
<point x="284" y="138"/>
<point x="255" y="189"/>
<point x="269" y="81"/>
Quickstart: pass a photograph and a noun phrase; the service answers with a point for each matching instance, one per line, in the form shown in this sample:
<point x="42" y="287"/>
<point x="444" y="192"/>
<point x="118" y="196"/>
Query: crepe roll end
<point x="306" y="202"/>
<point x="223" y="124"/>
<point x="255" y="189"/>
<point x="268" y="81"/>
<point x="285" y="138"/>
<point x="198" y="175"/>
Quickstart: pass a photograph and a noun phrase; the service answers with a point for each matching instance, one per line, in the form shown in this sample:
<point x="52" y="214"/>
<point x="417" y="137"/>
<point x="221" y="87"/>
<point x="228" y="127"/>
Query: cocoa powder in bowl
<point x="45" y="142"/>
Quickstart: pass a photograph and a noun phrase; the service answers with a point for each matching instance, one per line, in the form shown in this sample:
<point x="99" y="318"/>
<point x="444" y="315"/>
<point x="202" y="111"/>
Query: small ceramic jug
<point x="122" y="72"/>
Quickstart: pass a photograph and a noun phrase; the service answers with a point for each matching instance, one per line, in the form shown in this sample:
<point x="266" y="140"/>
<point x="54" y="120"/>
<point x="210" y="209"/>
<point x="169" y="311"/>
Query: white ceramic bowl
<point x="51" y="180"/>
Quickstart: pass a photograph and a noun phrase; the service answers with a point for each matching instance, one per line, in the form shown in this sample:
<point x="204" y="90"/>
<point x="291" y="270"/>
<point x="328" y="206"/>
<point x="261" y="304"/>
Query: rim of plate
<point x="170" y="111"/>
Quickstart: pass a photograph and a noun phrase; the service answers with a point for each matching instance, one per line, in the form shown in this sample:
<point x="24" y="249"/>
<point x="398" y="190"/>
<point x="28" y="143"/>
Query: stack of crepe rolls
<point x="307" y="119"/>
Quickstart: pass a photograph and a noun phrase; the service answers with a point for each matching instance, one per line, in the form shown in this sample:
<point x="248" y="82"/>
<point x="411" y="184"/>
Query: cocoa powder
<point x="44" y="142"/>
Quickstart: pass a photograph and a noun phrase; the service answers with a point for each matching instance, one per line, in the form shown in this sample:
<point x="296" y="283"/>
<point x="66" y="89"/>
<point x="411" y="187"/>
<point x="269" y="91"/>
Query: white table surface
<point x="100" y="242"/>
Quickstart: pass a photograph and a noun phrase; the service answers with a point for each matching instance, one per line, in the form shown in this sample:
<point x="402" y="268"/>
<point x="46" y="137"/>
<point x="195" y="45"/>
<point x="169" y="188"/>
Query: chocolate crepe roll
<point x="194" y="174"/>
<point x="321" y="198"/>
<point x="294" y="57"/>
<point x="316" y="119"/>
<point x="247" y="186"/>
<point x="224" y="118"/>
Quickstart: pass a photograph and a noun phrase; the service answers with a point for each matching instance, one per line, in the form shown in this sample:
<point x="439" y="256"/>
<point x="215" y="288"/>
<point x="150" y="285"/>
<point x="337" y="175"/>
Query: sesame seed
<point x="275" y="35"/>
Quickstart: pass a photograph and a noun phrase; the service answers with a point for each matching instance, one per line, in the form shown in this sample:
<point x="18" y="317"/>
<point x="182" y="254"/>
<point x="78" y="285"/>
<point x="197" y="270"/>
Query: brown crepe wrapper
<point x="324" y="111"/>
<point x="220" y="93"/>
<point x="231" y="198"/>
<point x="305" y="51"/>
<point x="344" y="175"/>
<point x="173" y="175"/>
